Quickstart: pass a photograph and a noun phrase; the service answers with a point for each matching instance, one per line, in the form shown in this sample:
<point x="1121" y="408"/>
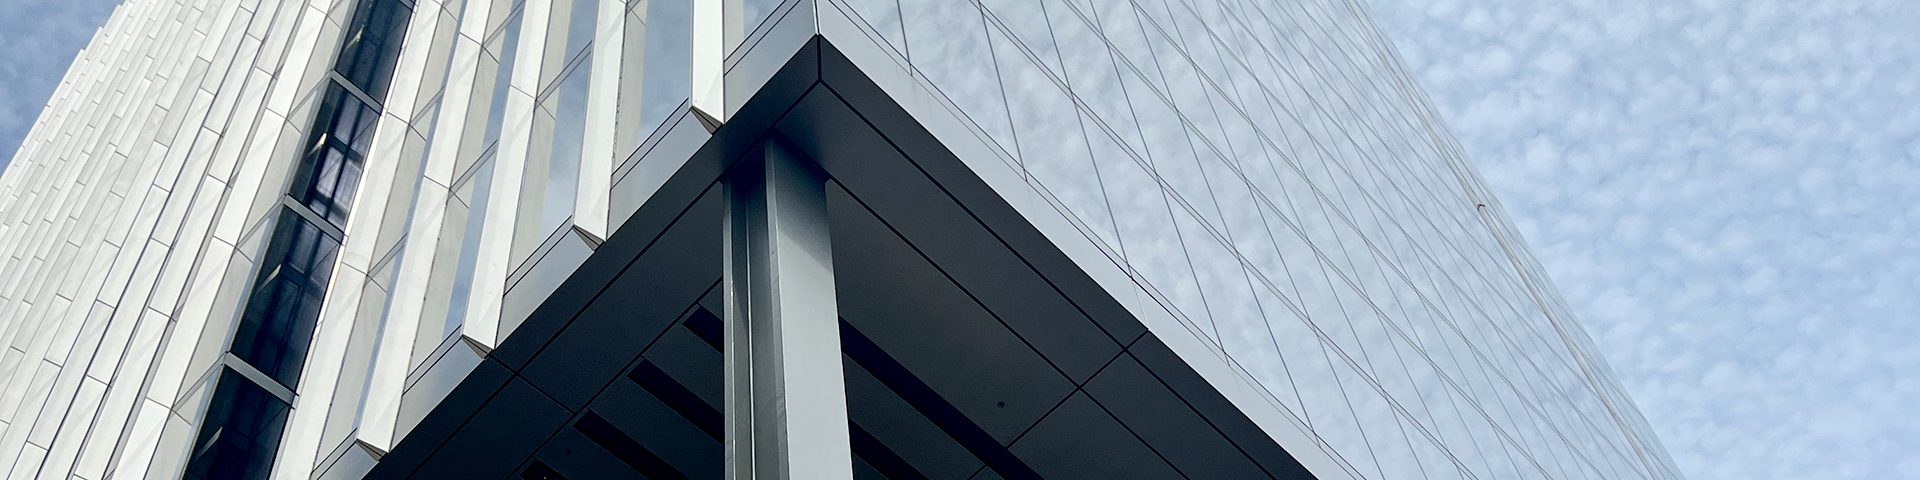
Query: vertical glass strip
<point x="240" y="433"/>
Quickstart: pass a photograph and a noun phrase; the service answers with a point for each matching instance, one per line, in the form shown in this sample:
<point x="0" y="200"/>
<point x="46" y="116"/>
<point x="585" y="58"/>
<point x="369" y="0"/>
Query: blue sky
<point x="1728" y="193"/>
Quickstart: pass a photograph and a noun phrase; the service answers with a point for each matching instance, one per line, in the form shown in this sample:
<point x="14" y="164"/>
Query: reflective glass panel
<point x="279" y="318"/>
<point x="240" y="432"/>
<point x="372" y="43"/>
<point x="331" y="167"/>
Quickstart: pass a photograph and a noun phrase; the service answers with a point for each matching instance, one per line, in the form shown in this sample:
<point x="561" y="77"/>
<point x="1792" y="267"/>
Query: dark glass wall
<point x="240" y="432"/>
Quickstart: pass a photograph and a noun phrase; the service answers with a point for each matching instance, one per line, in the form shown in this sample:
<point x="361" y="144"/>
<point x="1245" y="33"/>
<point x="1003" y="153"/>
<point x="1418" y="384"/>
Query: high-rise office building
<point x="805" y="239"/>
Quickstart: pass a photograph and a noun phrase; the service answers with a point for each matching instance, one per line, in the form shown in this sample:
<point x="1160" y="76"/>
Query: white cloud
<point x="1726" y="192"/>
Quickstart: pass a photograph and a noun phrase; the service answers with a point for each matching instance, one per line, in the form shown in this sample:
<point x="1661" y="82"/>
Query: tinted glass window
<point x="331" y="167"/>
<point x="277" y="325"/>
<point x="372" y="44"/>
<point x="241" y="430"/>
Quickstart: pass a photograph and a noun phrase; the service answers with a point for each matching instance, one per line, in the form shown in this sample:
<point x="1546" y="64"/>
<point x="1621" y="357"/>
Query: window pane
<point x="330" y="171"/>
<point x="278" y="322"/>
<point x="372" y="43"/>
<point x="948" y="43"/>
<point x="240" y="433"/>
<point x="468" y="240"/>
<point x="754" y="12"/>
<point x="580" y="26"/>
<point x="501" y="47"/>
<point x="883" y="16"/>
<point x="664" y="83"/>
<point x="568" y="105"/>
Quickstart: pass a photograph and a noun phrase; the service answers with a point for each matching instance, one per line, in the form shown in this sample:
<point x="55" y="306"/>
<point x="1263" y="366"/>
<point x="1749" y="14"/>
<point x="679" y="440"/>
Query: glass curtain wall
<point x="1267" y="171"/>
<point x="248" y="411"/>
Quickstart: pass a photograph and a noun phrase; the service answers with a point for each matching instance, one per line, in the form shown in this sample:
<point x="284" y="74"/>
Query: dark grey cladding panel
<point x="503" y="433"/>
<point x="896" y="423"/>
<point x="1170" y="370"/>
<point x="690" y="361"/>
<point x="665" y="433"/>
<point x="936" y="329"/>
<point x="1081" y="441"/>
<point x="446" y="419"/>
<point x="1162" y="418"/>
<point x="657" y="289"/>
<point x="940" y="228"/>
<point x="573" y="455"/>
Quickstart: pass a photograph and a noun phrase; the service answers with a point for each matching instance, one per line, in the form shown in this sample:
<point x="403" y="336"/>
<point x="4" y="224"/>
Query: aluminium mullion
<point x="37" y="136"/>
<point x="104" y="230"/>
<point x="551" y="67"/>
<point x="77" y="72"/>
<point x="378" y="423"/>
<point x="286" y="98"/>
<point x="500" y="229"/>
<point x="599" y="151"/>
<point x="35" y="340"/>
<point x="28" y="397"/>
<point x="123" y="393"/>
<point x="257" y="175"/>
<point x="68" y="385"/>
<point x="194" y="233"/>
<point x="415" y="96"/>
<point x="37" y="237"/>
<point x="80" y="284"/>
<point x="49" y="280"/>
<point x="142" y="226"/>
<point x="41" y="381"/>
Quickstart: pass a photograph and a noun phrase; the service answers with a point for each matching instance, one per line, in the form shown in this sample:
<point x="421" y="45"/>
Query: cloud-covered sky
<point x="38" y="39"/>
<point x="1727" y="192"/>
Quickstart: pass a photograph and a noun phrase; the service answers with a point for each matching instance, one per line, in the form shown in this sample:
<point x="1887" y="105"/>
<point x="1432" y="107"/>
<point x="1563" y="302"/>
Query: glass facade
<point x="1269" y="173"/>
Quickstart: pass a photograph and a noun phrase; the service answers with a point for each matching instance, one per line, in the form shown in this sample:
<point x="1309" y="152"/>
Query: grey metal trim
<point x="785" y="396"/>
<point x="259" y="378"/>
<point x="314" y="218"/>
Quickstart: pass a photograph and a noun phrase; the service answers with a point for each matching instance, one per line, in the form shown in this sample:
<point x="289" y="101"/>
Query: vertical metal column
<point x="786" y="398"/>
